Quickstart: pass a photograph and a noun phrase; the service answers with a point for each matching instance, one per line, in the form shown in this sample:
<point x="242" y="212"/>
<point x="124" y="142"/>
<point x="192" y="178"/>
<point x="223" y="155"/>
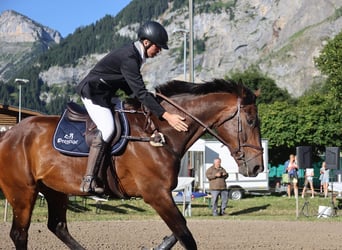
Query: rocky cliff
<point x="282" y="39"/>
<point x="20" y="39"/>
<point x="16" y="28"/>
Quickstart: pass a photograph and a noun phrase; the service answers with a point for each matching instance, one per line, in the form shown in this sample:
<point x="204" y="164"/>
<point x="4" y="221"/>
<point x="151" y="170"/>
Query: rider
<point x="120" y="69"/>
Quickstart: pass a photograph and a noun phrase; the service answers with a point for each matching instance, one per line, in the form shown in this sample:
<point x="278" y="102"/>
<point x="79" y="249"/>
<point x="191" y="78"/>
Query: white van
<point x="200" y="157"/>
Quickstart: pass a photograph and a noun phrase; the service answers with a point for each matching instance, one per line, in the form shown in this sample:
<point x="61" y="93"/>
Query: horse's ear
<point x="257" y="92"/>
<point x="240" y="88"/>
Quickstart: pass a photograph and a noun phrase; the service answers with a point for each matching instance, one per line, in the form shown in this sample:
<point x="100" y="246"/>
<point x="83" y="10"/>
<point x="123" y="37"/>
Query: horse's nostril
<point x="257" y="169"/>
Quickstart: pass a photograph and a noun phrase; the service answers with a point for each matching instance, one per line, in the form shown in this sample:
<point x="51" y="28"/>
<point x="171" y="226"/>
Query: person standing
<point x="217" y="176"/>
<point x="321" y="174"/>
<point x="292" y="169"/>
<point x="309" y="174"/>
<point x="325" y="178"/>
<point x="285" y="176"/>
<point x="120" y="69"/>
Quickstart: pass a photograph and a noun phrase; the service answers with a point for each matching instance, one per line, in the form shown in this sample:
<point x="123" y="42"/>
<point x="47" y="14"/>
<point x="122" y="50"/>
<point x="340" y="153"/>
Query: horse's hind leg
<point x="22" y="199"/>
<point x="57" y="207"/>
<point x="22" y="205"/>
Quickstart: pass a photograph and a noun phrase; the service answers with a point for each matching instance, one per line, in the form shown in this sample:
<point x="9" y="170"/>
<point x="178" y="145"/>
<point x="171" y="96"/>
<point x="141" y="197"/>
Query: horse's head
<point x="224" y="106"/>
<point x="241" y="133"/>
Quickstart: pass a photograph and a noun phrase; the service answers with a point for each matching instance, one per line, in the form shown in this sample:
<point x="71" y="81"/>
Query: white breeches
<point x="102" y="117"/>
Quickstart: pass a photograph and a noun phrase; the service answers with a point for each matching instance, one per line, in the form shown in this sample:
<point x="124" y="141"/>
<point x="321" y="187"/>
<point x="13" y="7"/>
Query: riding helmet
<point x="154" y="32"/>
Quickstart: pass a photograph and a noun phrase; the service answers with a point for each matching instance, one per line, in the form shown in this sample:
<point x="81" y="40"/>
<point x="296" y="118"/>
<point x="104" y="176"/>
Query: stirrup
<point x="89" y="186"/>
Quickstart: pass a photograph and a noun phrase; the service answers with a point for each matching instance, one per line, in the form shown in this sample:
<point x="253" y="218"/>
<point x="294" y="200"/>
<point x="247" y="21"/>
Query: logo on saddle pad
<point x="67" y="139"/>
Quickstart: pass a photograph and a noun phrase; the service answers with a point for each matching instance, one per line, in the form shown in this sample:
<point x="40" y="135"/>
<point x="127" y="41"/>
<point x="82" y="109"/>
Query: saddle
<point x="74" y="131"/>
<point x="77" y="113"/>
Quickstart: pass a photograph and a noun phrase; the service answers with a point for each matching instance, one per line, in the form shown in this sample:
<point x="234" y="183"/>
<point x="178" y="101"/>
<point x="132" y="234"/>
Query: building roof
<point x="9" y="115"/>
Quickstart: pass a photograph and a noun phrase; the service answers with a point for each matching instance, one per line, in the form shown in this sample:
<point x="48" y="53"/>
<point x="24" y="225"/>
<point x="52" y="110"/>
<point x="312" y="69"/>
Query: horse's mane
<point x="176" y="87"/>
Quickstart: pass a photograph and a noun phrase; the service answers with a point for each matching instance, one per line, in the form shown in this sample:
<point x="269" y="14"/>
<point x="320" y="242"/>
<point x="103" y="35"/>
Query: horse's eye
<point x="250" y="122"/>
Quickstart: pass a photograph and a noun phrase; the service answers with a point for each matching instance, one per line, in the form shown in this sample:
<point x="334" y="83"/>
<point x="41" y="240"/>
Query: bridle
<point x="243" y="145"/>
<point x="237" y="113"/>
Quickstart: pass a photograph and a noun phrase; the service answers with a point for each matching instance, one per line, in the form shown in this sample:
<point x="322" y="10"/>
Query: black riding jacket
<point x="120" y="69"/>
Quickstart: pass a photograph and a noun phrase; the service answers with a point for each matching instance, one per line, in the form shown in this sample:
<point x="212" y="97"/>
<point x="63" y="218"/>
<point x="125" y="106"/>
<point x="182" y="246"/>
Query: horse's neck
<point x="199" y="114"/>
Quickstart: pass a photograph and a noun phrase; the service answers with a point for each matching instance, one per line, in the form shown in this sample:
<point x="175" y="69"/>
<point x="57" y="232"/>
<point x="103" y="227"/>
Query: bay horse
<point x="29" y="164"/>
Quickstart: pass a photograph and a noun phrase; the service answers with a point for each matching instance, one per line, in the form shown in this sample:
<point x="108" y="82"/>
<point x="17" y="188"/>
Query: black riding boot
<point x="96" y="157"/>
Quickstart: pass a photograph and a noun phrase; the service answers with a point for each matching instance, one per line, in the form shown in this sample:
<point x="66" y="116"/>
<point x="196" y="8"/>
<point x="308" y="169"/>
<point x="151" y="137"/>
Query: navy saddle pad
<point x="69" y="137"/>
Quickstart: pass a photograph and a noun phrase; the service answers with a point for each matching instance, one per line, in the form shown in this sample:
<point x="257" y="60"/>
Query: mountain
<point x="21" y="39"/>
<point x="281" y="39"/>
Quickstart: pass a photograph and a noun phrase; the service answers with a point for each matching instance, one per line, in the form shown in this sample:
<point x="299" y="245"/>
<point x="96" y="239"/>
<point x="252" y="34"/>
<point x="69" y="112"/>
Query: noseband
<point x="237" y="113"/>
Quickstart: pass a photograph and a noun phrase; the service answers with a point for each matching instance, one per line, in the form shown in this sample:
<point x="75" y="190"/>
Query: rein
<point x="205" y="127"/>
<point x="219" y="138"/>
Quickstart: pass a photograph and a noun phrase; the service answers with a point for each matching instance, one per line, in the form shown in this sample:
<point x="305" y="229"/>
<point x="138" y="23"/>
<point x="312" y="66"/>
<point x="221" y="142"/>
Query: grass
<point x="252" y="207"/>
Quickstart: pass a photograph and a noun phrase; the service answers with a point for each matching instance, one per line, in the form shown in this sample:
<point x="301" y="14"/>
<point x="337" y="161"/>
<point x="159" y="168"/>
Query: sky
<point x="64" y="15"/>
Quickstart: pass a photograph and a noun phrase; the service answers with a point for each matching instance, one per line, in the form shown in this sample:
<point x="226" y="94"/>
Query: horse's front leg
<point x="162" y="202"/>
<point x="57" y="207"/>
<point x="168" y="243"/>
